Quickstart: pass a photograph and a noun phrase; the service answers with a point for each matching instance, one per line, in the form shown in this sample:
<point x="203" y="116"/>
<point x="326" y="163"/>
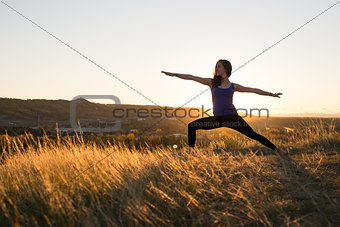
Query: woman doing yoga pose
<point x="225" y="114"/>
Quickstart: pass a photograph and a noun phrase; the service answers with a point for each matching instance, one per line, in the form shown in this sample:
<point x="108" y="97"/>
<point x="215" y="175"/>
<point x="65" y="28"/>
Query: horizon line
<point x="300" y="114"/>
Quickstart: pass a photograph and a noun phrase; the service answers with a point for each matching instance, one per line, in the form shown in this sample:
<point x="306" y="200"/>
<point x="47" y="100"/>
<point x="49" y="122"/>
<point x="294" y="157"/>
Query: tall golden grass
<point x="73" y="182"/>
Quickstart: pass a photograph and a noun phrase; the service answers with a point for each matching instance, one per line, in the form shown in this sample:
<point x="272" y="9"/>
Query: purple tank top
<point x="223" y="100"/>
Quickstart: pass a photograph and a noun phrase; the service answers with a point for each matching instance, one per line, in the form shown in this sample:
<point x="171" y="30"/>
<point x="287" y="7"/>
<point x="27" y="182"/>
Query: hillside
<point x="41" y="112"/>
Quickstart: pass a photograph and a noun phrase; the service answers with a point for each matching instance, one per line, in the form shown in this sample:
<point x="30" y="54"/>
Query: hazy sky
<point x="136" y="40"/>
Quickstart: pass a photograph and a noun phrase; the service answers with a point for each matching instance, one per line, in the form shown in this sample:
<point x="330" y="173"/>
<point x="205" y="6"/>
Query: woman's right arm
<point x="205" y="81"/>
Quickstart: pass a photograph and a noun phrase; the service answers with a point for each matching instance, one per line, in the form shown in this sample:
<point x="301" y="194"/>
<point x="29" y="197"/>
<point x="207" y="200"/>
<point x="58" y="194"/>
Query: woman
<point x="225" y="114"/>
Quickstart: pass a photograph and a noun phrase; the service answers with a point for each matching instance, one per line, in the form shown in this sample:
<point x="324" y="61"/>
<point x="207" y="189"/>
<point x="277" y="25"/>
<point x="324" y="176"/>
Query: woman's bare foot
<point x="280" y="151"/>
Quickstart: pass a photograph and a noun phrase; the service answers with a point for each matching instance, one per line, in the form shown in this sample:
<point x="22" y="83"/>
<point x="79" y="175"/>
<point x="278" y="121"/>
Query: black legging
<point x="233" y="121"/>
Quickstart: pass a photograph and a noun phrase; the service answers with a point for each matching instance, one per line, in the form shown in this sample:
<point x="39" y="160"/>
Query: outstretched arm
<point x="240" y="88"/>
<point x="205" y="81"/>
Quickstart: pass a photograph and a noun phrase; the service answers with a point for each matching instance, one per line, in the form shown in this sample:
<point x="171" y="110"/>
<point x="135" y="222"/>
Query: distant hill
<point x="39" y="112"/>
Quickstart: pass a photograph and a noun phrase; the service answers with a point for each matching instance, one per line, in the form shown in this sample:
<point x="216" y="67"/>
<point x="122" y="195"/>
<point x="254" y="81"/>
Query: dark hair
<point x="217" y="80"/>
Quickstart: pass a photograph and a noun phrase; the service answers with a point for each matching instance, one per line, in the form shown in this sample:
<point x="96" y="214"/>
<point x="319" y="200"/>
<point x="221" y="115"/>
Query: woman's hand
<point x="276" y="95"/>
<point x="169" y="74"/>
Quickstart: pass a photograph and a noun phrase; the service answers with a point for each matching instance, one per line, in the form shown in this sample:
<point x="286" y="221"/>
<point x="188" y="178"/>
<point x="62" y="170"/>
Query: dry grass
<point x="76" y="183"/>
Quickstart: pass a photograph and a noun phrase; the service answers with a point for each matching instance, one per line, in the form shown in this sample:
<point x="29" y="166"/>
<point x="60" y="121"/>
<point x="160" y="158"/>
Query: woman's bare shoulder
<point x="236" y="85"/>
<point x="240" y="88"/>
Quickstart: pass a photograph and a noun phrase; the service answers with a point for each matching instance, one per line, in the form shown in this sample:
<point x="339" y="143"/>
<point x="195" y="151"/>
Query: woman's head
<point x="223" y="68"/>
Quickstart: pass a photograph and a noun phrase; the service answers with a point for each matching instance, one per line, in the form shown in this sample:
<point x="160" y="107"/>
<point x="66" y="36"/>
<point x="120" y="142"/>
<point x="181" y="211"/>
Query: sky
<point x="131" y="42"/>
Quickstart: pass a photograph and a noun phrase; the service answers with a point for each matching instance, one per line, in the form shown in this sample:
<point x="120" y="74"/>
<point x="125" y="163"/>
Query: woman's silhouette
<point x="225" y="114"/>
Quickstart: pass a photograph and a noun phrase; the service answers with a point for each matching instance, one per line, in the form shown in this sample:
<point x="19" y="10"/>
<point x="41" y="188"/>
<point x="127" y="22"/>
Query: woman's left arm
<point x="240" y="88"/>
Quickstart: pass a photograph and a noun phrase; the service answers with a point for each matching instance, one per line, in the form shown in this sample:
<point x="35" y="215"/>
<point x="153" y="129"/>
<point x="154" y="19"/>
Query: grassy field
<point x="77" y="183"/>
